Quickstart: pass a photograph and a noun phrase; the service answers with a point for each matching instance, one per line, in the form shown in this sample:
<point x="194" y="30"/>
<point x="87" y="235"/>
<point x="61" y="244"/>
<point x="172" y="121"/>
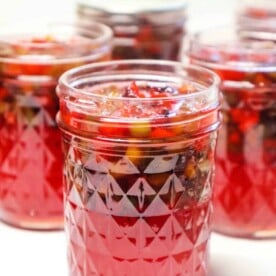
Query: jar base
<point x="32" y="222"/>
<point x="257" y="235"/>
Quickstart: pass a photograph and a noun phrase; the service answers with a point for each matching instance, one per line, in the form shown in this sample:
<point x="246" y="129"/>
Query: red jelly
<point x="30" y="148"/>
<point x="139" y="143"/>
<point x="146" y="29"/>
<point x="244" y="191"/>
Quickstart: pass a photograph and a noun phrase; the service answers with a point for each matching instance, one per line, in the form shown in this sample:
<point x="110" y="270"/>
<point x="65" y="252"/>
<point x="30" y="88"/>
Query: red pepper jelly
<point x="138" y="140"/>
<point x="30" y="146"/>
<point x="144" y="29"/>
<point x="245" y="182"/>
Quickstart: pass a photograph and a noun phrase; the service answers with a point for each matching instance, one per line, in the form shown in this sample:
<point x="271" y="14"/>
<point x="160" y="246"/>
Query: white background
<point x="27" y="253"/>
<point x="203" y="13"/>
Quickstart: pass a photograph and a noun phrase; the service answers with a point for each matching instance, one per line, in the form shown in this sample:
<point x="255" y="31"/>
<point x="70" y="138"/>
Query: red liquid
<point x="147" y="35"/>
<point x="30" y="155"/>
<point x="245" y="190"/>
<point x="115" y="248"/>
<point x="135" y="223"/>
<point x="133" y="210"/>
<point x="150" y="42"/>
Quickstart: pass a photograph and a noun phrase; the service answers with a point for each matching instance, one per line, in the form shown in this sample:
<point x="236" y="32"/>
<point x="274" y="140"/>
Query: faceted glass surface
<point x="245" y="190"/>
<point x="137" y="215"/>
<point x="30" y="156"/>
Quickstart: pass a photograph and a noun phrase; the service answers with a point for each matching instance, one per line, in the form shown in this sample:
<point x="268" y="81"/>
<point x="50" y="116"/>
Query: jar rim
<point x="141" y="6"/>
<point x="89" y="48"/>
<point x="230" y="47"/>
<point x="65" y="79"/>
<point x="256" y="24"/>
<point x="87" y="100"/>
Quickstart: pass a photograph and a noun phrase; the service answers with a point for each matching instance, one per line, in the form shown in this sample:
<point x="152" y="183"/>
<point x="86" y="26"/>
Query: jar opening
<point x="55" y="43"/>
<point x="142" y="13"/>
<point x="137" y="96"/>
<point x="231" y="48"/>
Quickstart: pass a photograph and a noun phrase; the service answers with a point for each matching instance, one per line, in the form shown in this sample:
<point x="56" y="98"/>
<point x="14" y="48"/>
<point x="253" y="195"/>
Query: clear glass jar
<point x="245" y="187"/>
<point x="151" y="29"/>
<point x="257" y="15"/>
<point x="138" y="140"/>
<point x="31" y="60"/>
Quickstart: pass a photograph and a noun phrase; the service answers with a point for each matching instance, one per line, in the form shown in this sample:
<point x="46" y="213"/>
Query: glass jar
<point x="245" y="187"/>
<point x="31" y="60"/>
<point x="258" y="15"/>
<point x="145" y="29"/>
<point x="138" y="140"/>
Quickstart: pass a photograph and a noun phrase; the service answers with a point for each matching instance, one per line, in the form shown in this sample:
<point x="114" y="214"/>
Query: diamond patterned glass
<point x="244" y="191"/>
<point x="30" y="156"/>
<point x="137" y="215"/>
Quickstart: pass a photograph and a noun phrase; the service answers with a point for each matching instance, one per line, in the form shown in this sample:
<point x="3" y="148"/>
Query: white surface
<point x="241" y="257"/>
<point x="30" y="253"/>
<point x="202" y="13"/>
